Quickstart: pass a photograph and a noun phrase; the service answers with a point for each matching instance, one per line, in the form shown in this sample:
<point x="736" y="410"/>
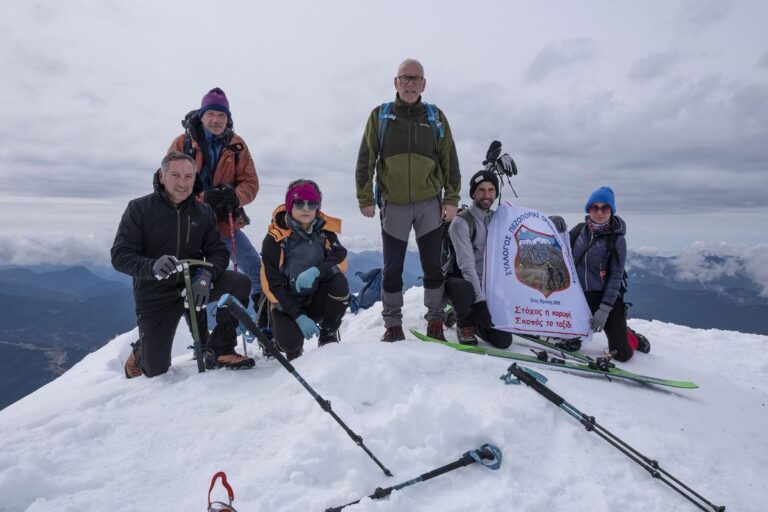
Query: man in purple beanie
<point x="228" y="175"/>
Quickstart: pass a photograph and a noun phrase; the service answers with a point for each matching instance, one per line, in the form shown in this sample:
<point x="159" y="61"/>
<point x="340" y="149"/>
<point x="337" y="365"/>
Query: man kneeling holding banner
<point x="514" y="274"/>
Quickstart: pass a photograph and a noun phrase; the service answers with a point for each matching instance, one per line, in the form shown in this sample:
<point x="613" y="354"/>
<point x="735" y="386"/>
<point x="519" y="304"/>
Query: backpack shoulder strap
<point x="470" y="220"/>
<point x="433" y="116"/>
<point x="576" y="231"/>
<point x="385" y="115"/>
<point x="188" y="149"/>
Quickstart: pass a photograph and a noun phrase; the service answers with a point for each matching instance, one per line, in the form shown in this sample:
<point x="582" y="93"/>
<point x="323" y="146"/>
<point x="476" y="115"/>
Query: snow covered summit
<point x="92" y="440"/>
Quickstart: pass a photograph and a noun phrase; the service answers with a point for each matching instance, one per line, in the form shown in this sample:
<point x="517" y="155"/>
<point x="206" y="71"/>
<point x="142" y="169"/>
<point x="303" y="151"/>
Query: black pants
<point x="394" y="251"/>
<point x="462" y="295"/>
<point x="326" y="307"/>
<point x="158" y="326"/>
<point x="615" y="327"/>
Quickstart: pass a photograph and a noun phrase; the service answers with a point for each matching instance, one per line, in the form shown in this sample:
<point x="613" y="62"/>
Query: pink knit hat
<point x="303" y="190"/>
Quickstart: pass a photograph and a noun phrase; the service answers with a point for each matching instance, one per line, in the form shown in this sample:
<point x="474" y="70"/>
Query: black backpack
<point x="448" y="253"/>
<point x="609" y="255"/>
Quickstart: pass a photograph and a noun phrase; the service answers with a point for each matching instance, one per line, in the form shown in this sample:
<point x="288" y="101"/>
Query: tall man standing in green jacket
<point x="407" y="165"/>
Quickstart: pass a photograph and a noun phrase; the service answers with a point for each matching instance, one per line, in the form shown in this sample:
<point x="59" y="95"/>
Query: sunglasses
<point x="305" y="204"/>
<point x="597" y="209"/>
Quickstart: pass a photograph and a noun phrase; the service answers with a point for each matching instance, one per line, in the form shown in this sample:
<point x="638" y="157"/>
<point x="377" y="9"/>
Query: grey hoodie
<point x="469" y="259"/>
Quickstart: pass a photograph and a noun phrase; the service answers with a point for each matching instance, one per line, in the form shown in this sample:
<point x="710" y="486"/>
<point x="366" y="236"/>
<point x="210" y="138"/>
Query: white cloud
<point x="706" y="263"/>
<point x="560" y="55"/>
<point x="24" y="249"/>
<point x="653" y="66"/>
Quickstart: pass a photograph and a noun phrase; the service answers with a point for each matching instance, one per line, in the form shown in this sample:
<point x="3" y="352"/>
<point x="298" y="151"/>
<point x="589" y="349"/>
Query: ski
<point x="559" y="363"/>
<point x="554" y="346"/>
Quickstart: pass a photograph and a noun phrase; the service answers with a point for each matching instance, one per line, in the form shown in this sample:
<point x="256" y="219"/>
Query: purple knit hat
<point x="302" y="190"/>
<point x="215" y="99"/>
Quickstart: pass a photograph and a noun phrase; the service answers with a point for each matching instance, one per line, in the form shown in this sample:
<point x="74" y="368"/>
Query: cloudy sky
<point x="665" y="101"/>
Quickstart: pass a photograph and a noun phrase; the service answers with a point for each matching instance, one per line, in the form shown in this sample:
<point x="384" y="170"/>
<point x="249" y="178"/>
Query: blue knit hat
<point x="215" y="99"/>
<point x="602" y="195"/>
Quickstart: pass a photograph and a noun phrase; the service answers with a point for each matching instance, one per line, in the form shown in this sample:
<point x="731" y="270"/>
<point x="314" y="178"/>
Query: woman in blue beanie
<point x="600" y="251"/>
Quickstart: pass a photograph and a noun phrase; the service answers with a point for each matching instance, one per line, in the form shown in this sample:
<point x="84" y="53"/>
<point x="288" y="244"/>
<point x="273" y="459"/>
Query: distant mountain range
<point x="51" y="317"/>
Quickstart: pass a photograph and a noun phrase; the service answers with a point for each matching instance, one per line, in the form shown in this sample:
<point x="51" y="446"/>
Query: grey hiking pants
<point x="396" y="222"/>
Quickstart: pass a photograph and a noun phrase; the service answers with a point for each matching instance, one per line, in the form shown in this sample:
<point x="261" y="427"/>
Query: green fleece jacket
<point x="412" y="166"/>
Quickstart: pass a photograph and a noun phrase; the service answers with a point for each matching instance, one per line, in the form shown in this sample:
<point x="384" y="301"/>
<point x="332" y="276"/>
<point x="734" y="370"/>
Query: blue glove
<point x="599" y="318"/>
<point x="307" y="278"/>
<point x="308" y="327"/>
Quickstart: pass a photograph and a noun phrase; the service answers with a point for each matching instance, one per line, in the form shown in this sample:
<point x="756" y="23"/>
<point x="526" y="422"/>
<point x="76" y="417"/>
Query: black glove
<point x="482" y="315"/>
<point x="201" y="290"/>
<point x="494" y="150"/>
<point x="559" y="223"/>
<point x="223" y="199"/>
<point x="165" y="266"/>
<point x="507" y="165"/>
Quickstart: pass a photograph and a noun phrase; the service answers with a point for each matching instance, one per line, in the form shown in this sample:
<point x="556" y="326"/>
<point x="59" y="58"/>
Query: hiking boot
<point x="467" y="335"/>
<point x="132" y="368"/>
<point x="232" y="361"/>
<point x="327" y="336"/>
<point x="393" y="333"/>
<point x="643" y="345"/>
<point x="435" y="330"/>
<point x="293" y="355"/>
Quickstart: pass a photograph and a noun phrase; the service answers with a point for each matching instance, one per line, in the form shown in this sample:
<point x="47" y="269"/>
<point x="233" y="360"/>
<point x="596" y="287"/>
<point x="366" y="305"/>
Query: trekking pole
<point x="192" y="313"/>
<point x="488" y="456"/>
<point x="232" y="236"/>
<point x="239" y="312"/>
<point x="650" y="465"/>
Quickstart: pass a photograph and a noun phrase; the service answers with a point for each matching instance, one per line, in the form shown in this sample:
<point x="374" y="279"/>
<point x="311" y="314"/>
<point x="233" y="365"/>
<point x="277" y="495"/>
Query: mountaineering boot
<point x="132" y="368"/>
<point x="467" y="335"/>
<point x="435" y="330"/>
<point x="393" y="333"/>
<point x="643" y="345"/>
<point x="327" y="336"/>
<point x="233" y="361"/>
<point x="293" y="355"/>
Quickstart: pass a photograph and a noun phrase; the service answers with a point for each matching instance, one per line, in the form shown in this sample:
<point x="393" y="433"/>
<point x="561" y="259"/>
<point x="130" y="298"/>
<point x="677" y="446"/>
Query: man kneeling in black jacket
<point x="156" y="231"/>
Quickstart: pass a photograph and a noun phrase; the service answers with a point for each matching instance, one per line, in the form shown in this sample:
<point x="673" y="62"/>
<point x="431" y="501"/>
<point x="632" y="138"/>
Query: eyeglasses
<point x="406" y="79"/>
<point x="597" y="209"/>
<point x="304" y="204"/>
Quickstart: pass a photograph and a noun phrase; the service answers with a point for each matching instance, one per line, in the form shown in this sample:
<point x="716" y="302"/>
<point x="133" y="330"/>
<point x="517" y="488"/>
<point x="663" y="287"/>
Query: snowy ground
<point x="92" y="440"/>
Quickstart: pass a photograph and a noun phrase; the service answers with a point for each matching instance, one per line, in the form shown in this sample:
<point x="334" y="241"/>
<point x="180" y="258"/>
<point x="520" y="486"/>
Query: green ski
<point x="558" y="363"/>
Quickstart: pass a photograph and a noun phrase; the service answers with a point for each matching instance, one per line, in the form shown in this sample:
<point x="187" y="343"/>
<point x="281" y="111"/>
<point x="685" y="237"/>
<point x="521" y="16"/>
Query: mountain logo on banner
<point x="539" y="263"/>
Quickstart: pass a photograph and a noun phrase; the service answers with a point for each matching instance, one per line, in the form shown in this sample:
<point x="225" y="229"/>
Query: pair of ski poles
<point x="589" y="423"/>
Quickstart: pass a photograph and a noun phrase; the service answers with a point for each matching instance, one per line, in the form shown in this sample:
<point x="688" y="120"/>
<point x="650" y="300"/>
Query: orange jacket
<point x="235" y="168"/>
<point x="275" y="285"/>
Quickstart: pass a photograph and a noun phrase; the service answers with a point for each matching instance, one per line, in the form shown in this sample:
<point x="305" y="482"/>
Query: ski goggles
<point x="302" y="204"/>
